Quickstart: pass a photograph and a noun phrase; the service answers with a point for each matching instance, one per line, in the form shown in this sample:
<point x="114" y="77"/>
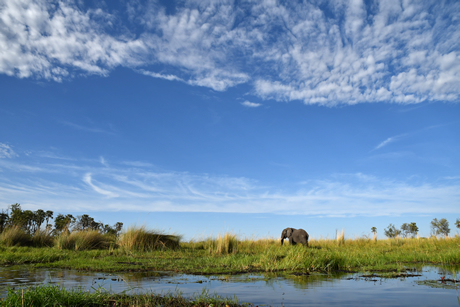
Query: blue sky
<point x="199" y="117"/>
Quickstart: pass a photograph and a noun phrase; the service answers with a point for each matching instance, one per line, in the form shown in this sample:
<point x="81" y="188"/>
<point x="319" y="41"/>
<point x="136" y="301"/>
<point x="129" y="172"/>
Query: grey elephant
<point x="295" y="236"/>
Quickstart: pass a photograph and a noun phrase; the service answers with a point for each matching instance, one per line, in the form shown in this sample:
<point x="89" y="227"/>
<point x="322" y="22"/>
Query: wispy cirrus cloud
<point x="344" y="52"/>
<point x="390" y="140"/>
<point x="90" y="186"/>
<point x="86" y="128"/>
<point x="404" y="135"/>
<point x="87" y="178"/>
<point x="6" y="151"/>
<point x="137" y="164"/>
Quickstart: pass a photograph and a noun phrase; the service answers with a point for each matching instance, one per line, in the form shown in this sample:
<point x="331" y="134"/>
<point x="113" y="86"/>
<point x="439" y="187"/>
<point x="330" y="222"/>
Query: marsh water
<point x="429" y="286"/>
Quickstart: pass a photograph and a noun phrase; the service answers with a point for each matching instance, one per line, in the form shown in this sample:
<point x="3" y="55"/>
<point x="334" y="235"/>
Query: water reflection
<point x="414" y="288"/>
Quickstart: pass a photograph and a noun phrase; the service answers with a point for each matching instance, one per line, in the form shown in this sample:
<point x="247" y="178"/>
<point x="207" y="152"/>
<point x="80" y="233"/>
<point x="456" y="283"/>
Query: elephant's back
<point x="303" y="233"/>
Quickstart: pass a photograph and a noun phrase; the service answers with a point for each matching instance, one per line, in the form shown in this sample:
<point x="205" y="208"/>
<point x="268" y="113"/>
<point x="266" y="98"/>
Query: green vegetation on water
<point x="57" y="296"/>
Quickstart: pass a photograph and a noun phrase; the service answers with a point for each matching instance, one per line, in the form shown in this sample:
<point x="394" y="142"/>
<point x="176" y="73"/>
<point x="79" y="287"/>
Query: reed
<point x="225" y="244"/>
<point x="229" y="255"/>
<point x="341" y="237"/>
<point x="142" y="239"/>
<point x="82" y="240"/>
<point x="15" y="236"/>
<point x="43" y="238"/>
<point x="255" y="246"/>
<point x="54" y="295"/>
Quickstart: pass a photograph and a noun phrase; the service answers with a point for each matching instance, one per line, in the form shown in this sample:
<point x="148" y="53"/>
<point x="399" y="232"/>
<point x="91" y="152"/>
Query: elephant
<point x="295" y="236"/>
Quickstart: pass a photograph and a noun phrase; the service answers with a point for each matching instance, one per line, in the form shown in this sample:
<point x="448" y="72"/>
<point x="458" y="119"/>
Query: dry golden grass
<point x="15" y="236"/>
<point x="43" y="238"/>
<point x="341" y="237"/>
<point x="141" y="239"/>
<point x="82" y="240"/>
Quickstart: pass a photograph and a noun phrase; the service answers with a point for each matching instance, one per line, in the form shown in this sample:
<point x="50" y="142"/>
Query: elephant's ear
<point x="288" y="232"/>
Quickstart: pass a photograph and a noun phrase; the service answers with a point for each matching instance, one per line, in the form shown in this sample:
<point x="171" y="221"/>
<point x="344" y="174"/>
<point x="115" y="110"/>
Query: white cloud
<point x="88" y="180"/>
<point x="346" y="52"/>
<point x="6" y="151"/>
<point x="251" y="104"/>
<point x="92" y="186"/>
<point x="161" y="76"/>
<point x="50" y="40"/>
<point x="403" y="135"/>
<point x="103" y="161"/>
<point x="388" y="141"/>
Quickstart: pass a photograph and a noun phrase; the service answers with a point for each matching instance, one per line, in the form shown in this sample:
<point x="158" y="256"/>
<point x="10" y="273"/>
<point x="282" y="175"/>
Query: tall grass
<point x="254" y="246"/>
<point x="228" y="254"/>
<point x="15" y="236"/>
<point x="223" y="245"/>
<point x="142" y="239"/>
<point x="341" y="237"/>
<point x="82" y="240"/>
<point x="42" y="238"/>
<point x="54" y="295"/>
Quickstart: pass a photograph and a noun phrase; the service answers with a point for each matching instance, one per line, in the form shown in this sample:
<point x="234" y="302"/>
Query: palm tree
<point x="28" y="220"/>
<point x="48" y="215"/>
<point x="39" y="218"/>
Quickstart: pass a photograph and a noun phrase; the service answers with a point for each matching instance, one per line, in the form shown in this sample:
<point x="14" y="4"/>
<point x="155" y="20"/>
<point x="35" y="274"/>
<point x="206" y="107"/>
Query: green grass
<point x="57" y="296"/>
<point x="147" y="251"/>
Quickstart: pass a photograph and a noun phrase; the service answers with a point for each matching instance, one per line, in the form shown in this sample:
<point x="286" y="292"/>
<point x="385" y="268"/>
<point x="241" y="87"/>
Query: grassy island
<point x="141" y="250"/>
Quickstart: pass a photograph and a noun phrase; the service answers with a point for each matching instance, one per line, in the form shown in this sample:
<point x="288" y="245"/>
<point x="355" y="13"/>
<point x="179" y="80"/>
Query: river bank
<point x="248" y="256"/>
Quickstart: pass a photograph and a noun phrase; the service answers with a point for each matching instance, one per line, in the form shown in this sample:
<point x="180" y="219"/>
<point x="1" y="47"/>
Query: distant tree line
<point x="438" y="227"/>
<point x="32" y="221"/>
